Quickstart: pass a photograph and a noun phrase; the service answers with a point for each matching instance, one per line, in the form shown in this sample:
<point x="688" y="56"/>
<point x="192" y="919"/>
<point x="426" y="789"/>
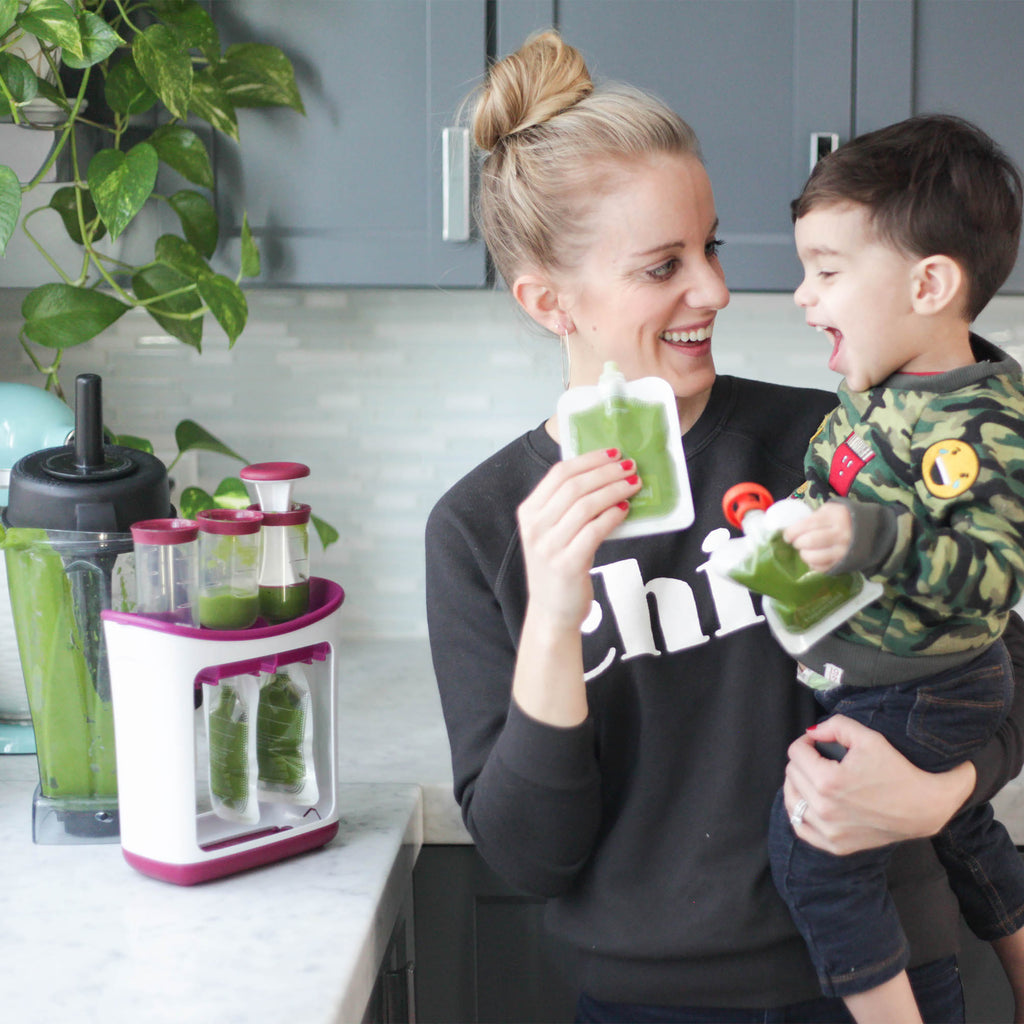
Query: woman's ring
<point x="797" y="818"/>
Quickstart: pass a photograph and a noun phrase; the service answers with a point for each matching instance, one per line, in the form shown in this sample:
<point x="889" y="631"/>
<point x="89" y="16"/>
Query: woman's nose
<point x="711" y="291"/>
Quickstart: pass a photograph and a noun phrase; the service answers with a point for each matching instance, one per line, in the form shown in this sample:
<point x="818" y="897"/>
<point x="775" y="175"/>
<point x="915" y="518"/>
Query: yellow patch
<point x="949" y="468"/>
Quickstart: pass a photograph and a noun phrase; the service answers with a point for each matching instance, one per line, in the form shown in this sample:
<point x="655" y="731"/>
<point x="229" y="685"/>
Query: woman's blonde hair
<point x="554" y="142"/>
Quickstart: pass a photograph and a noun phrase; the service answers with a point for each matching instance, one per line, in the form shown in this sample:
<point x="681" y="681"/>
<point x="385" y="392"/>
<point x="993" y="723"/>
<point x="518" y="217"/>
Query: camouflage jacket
<point x="932" y="468"/>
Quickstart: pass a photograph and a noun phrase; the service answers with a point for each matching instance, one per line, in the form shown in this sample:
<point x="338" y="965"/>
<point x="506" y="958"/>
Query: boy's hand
<point x="824" y="537"/>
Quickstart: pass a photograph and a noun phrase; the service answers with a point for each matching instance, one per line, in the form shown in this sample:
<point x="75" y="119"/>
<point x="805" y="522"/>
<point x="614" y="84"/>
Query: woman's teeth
<point x="678" y="337"/>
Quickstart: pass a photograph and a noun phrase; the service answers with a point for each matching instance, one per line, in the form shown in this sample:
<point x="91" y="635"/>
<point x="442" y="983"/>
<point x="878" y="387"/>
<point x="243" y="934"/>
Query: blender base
<point x="17" y="738"/>
<point x="74" y="822"/>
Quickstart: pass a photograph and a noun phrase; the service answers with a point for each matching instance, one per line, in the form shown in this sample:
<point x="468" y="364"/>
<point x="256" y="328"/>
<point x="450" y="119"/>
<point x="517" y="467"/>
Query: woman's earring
<point x="566" y="358"/>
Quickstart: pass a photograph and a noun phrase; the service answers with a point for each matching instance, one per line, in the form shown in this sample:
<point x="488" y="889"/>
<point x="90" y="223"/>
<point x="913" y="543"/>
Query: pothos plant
<point x="134" y="78"/>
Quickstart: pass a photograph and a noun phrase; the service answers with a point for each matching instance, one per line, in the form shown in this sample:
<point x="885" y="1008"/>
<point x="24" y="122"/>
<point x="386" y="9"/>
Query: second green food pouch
<point x="284" y="738"/>
<point x="641" y="420"/>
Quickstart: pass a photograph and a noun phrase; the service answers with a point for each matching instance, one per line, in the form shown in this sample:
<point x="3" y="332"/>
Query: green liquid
<point x="640" y="431"/>
<point x="281" y="604"/>
<point x="73" y="723"/>
<point x="802" y="596"/>
<point x="227" y="609"/>
<point x="280" y="727"/>
<point x="229" y="758"/>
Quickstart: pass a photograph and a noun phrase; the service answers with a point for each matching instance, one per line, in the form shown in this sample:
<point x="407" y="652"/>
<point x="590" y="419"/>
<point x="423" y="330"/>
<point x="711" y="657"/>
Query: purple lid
<point x="164" y="531"/>
<point x="236" y="521"/>
<point x="274" y="471"/>
<point x="297" y="515"/>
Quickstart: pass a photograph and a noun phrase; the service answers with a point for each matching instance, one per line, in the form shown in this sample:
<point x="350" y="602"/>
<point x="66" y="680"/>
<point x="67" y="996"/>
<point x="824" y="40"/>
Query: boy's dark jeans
<point x="841" y="904"/>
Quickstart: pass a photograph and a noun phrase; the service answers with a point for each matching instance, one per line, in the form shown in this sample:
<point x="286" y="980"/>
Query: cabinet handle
<point x="455" y="185"/>
<point x="822" y="143"/>
<point x="399" y="994"/>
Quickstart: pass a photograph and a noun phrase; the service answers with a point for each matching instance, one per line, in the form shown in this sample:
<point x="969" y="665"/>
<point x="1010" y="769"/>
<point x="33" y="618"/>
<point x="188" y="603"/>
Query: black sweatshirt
<point x="646" y="825"/>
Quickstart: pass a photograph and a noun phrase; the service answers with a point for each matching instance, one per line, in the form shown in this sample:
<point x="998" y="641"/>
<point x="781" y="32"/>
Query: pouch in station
<point x="284" y="738"/>
<point x="231" y="734"/>
<point x="640" y="419"/>
<point x="800" y="604"/>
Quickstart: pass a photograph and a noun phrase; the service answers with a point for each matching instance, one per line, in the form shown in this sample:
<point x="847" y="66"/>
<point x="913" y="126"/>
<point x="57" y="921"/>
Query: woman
<point x="619" y="717"/>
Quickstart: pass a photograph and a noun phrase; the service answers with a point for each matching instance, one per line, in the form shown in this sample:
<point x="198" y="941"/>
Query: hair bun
<point x="544" y="77"/>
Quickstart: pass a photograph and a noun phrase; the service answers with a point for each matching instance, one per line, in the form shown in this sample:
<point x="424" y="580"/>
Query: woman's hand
<point x="823" y="537"/>
<point x="871" y="798"/>
<point x="561" y="524"/>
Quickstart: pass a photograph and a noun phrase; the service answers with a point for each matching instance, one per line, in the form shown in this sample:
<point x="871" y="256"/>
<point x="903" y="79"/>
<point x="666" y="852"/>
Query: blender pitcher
<point x="68" y="554"/>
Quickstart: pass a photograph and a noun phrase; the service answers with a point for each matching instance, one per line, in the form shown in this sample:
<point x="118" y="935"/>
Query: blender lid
<point x="87" y="485"/>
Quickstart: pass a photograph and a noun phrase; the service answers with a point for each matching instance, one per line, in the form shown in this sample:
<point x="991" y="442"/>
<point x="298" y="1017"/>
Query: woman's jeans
<point x="841" y="905"/>
<point x="936" y="986"/>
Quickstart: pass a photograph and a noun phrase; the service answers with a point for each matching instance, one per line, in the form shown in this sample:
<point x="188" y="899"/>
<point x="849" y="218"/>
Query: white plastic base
<point x="167" y="828"/>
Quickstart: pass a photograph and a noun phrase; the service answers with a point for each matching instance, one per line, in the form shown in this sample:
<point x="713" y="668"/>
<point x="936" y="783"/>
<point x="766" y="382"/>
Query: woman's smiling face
<point x="650" y="284"/>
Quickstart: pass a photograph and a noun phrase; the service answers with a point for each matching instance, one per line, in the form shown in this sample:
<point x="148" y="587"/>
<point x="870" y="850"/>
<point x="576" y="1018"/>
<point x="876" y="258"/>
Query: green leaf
<point x="231" y="493"/>
<point x="211" y="103"/>
<point x="125" y="90"/>
<point x="19" y="77"/>
<point x="193" y="500"/>
<point x="192" y="23"/>
<point x="10" y="205"/>
<point x="182" y="257"/>
<point x="121" y="183"/>
<point x="198" y="220"/>
<point x="139" y="444"/>
<point x="250" y="251"/>
<point x="175" y="313"/>
<point x="181" y="149"/>
<point x="226" y="302"/>
<point x="258" y="75"/>
<point x="61" y="315"/>
<point x="53" y="21"/>
<point x="8" y="9"/>
<point x="99" y="41"/>
<point x="327" y="533"/>
<point x="189" y="435"/>
<point x="64" y="201"/>
<point x="166" y="67"/>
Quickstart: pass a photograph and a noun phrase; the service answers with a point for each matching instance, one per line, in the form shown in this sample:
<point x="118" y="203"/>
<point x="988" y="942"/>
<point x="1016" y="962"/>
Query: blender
<point x="69" y="556"/>
<point x="30" y="419"/>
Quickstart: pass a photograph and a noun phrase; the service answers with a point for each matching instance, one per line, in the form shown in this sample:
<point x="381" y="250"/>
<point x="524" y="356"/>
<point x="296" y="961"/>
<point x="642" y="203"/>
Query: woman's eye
<point x="663" y="270"/>
<point x="711" y="249"/>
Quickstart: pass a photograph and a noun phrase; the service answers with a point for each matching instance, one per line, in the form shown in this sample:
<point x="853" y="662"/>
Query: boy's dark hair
<point x="933" y="185"/>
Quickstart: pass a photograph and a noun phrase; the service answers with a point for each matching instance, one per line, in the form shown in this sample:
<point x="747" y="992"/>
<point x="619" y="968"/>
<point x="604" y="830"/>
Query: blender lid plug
<point x="273" y="482"/>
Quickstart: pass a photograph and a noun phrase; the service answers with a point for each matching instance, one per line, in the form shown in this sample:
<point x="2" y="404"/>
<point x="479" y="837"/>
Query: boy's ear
<point x="538" y="296"/>
<point x="937" y="284"/>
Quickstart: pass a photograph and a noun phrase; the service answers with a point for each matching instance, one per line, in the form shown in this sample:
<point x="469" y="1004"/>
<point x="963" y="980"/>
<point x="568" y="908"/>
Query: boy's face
<point x="857" y="289"/>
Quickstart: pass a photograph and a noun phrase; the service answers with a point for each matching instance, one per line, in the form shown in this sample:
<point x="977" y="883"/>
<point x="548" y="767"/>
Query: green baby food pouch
<point x="284" y="739"/>
<point x="641" y="420"/>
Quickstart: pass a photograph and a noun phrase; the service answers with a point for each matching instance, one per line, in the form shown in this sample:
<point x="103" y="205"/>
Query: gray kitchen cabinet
<point x="951" y="56"/>
<point x="482" y="953"/>
<point x="754" y="79"/>
<point x="351" y="193"/>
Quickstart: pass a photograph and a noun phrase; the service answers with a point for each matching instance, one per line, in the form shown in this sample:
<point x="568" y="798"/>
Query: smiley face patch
<point x="949" y="468"/>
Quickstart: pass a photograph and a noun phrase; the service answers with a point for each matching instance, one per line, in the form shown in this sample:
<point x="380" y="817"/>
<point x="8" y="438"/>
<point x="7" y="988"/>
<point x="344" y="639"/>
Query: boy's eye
<point x="826" y="274"/>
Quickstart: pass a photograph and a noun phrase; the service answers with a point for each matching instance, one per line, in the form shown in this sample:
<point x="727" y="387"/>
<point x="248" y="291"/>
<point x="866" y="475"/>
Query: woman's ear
<point x="938" y="284"/>
<point x="538" y="296"/>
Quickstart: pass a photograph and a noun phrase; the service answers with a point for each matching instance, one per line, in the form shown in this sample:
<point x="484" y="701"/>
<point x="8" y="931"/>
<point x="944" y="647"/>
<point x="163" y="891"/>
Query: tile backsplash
<point x="389" y="396"/>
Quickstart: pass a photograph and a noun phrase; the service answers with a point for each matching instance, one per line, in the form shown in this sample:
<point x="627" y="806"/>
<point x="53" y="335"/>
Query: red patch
<point x="849" y="459"/>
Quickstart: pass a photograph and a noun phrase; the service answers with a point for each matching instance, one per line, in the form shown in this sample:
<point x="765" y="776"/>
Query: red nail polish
<point x="612" y="453"/>
<point x="634" y="479"/>
<point x="811" y="728"/>
<point x="624" y="505"/>
<point x="628" y="464"/>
